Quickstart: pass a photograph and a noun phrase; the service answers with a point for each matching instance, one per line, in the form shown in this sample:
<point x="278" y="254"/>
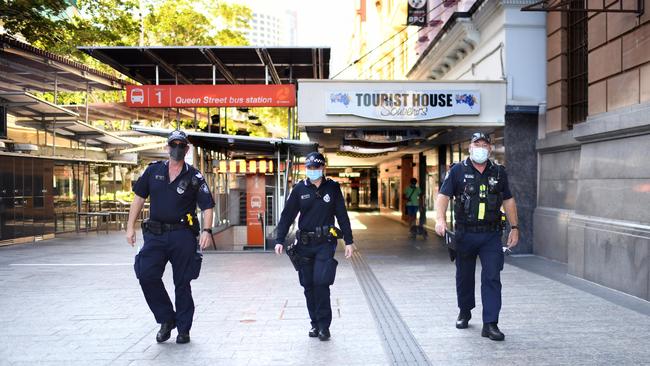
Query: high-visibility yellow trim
<point x="481" y="211"/>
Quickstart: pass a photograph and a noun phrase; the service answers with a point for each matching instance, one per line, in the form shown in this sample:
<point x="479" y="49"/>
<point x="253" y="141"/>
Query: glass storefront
<point x="26" y="205"/>
<point x="40" y="197"/>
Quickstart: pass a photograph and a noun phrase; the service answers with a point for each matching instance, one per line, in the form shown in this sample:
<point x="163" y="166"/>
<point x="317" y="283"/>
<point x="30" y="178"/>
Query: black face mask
<point x="177" y="152"/>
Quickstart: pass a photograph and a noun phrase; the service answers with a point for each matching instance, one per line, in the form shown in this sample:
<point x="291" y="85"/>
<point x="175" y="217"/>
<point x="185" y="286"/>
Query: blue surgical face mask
<point x="314" y="174"/>
<point x="479" y="155"/>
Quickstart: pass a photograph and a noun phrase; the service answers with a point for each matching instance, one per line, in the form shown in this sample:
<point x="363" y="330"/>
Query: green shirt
<point x="414" y="194"/>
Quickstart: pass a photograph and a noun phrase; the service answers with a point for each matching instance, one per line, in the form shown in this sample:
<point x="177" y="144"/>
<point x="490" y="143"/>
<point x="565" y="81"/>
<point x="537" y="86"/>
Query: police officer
<point x="318" y="200"/>
<point x="479" y="187"/>
<point x="170" y="234"/>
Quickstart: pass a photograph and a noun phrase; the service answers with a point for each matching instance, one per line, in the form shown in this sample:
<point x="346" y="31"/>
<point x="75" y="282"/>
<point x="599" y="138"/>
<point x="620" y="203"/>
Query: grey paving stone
<point x="250" y="310"/>
<point x="91" y="314"/>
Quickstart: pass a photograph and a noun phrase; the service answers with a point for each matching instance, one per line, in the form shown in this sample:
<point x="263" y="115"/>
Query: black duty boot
<point x="313" y="332"/>
<point x="165" y="331"/>
<point x="182" y="338"/>
<point x="491" y="330"/>
<point x="324" y="335"/>
<point x="463" y="319"/>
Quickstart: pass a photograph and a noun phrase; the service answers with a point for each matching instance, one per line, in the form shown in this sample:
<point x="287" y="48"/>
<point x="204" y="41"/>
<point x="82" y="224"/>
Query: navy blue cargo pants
<point x="489" y="249"/>
<point x="179" y="248"/>
<point x="317" y="273"/>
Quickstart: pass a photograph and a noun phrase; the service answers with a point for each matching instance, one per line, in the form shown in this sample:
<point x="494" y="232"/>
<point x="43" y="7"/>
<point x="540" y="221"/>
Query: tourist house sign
<point x="404" y="105"/>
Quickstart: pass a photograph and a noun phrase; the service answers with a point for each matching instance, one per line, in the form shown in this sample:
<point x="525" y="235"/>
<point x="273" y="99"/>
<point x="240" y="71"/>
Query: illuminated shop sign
<point x="404" y="105"/>
<point x="349" y="175"/>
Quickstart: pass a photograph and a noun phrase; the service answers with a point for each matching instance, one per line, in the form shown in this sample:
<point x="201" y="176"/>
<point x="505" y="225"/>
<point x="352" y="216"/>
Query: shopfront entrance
<point x="378" y="135"/>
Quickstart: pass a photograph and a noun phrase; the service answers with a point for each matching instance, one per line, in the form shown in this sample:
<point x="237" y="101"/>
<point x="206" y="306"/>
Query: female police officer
<point x="170" y="234"/>
<point x="318" y="200"/>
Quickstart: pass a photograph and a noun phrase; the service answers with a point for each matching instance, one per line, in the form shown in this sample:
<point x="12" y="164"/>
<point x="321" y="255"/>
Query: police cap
<point x="314" y="160"/>
<point x="481" y="136"/>
<point x="177" y="135"/>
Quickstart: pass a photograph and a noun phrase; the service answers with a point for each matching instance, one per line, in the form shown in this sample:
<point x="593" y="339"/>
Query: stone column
<point x="520" y="137"/>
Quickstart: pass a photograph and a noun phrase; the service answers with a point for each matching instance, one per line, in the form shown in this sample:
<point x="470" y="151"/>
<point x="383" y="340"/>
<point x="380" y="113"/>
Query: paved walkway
<point x="75" y="301"/>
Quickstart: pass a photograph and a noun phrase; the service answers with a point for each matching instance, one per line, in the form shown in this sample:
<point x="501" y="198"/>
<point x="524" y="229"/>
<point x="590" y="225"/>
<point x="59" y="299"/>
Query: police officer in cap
<point x="480" y="188"/>
<point x="170" y="234"/>
<point x="318" y="200"/>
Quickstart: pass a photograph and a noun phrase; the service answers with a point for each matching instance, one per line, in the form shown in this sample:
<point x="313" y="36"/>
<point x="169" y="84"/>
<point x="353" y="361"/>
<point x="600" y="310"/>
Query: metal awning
<point x="120" y="111"/>
<point x="73" y="159"/>
<point x="216" y="141"/>
<point x="595" y="6"/>
<point x="25" y="106"/>
<point x="25" y="67"/>
<point x="223" y="65"/>
<point x="30" y="111"/>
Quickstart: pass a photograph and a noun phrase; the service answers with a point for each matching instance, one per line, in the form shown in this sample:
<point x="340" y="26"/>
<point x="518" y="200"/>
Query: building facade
<point x="491" y="40"/>
<point x="272" y="28"/>
<point x="594" y="183"/>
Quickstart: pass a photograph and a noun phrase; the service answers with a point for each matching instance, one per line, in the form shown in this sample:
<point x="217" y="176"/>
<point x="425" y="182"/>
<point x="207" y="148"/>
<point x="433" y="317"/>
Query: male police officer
<point x="319" y="200"/>
<point x="480" y="188"/>
<point x="170" y="234"/>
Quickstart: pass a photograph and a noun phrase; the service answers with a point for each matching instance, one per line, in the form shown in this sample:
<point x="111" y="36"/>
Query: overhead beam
<point x="167" y="67"/>
<point x="589" y="6"/>
<point x="6" y="87"/>
<point x="153" y="146"/>
<point x="223" y="69"/>
<point x="32" y="84"/>
<point x="264" y="56"/>
<point x="116" y="65"/>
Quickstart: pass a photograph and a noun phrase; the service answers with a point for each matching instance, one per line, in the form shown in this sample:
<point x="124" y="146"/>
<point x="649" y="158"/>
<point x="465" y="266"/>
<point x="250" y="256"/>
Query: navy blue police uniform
<point x="170" y="202"/>
<point x="318" y="206"/>
<point x="477" y="209"/>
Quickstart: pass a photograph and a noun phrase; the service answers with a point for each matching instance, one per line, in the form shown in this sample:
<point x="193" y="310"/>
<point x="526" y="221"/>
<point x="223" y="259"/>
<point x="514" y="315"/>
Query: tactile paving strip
<point x="398" y="341"/>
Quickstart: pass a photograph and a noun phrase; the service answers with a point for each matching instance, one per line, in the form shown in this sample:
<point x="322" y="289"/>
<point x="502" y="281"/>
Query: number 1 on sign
<point x="159" y="95"/>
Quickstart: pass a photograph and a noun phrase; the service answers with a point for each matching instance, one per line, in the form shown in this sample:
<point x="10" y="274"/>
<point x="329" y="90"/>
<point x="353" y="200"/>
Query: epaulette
<point x="154" y="162"/>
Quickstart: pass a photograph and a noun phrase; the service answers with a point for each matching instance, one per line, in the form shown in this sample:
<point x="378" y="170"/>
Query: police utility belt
<point x="319" y="235"/>
<point x="189" y="221"/>
<point x="478" y="228"/>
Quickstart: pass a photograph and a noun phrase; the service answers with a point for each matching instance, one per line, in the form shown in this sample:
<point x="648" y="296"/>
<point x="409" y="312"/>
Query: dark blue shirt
<point x="454" y="183"/>
<point x="317" y="207"/>
<point x="170" y="201"/>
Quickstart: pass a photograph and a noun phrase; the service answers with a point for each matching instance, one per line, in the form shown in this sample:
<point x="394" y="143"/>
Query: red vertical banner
<point x="255" y="208"/>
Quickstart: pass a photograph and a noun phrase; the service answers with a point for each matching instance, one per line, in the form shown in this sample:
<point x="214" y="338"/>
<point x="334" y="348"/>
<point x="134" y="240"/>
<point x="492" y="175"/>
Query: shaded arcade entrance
<point x="386" y="133"/>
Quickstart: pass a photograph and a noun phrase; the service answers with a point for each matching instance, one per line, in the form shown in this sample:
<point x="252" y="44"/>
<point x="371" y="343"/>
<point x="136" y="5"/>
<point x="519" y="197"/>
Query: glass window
<point x="577" y="58"/>
<point x="64" y="185"/>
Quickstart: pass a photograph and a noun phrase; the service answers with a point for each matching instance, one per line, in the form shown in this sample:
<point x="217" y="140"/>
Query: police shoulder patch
<point x="326" y="198"/>
<point x="204" y="188"/>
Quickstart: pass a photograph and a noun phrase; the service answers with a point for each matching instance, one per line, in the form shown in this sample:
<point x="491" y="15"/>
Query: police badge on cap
<point x="481" y="136"/>
<point x="177" y="135"/>
<point x="314" y="160"/>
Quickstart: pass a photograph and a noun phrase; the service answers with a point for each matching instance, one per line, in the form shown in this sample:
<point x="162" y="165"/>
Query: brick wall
<point x="619" y="63"/>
